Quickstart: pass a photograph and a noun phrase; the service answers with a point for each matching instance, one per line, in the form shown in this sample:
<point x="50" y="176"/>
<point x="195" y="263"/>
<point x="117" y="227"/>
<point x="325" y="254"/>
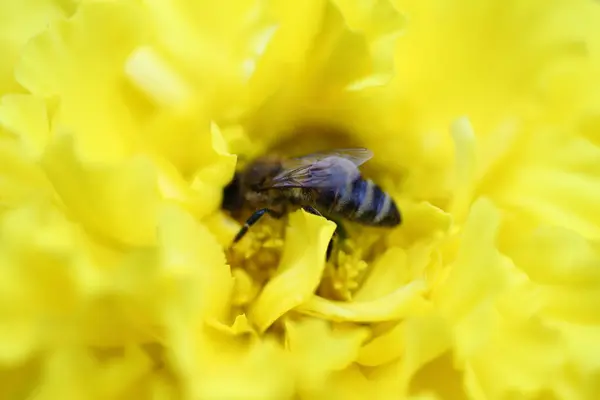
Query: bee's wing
<point x="329" y="169"/>
<point x="357" y="156"/>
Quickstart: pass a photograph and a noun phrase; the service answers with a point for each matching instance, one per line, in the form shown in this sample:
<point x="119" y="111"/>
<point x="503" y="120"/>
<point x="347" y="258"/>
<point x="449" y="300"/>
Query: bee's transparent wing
<point x="327" y="169"/>
<point x="357" y="155"/>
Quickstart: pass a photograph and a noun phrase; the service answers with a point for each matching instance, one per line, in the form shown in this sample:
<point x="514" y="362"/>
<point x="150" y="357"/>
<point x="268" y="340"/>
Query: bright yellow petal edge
<point x="121" y="121"/>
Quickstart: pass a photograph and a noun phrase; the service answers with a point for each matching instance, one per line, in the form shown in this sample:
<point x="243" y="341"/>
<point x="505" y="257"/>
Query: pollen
<point x="344" y="272"/>
<point x="259" y="252"/>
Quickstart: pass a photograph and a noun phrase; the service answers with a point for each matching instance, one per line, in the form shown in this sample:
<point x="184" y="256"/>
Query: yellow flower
<point x="122" y="121"/>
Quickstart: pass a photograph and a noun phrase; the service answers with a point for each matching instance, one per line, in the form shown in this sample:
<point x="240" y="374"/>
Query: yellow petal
<point x="240" y="326"/>
<point x="477" y="273"/>
<point x="381" y="23"/>
<point x="464" y="141"/>
<point x="27" y="117"/>
<point x="371" y="16"/>
<point x="424" y="396"/>
<point x="39" y="253"/>
<point x="316" y="339"/>
<point x="192" y="145"/>
<point x="541" y="358"/>
<point x="18" y="381"/>
<point x="202" y="196"/>
<point x="215" y="172"/>
<point x="423" y="62"/>
<point x="79" y="60"/>
<point x="219" y="165"/>
<point x="191" y="289"/>
<point x="156" y="78"/>
<point x="20" y="336"/>
<point x="389" y="272"/>
<point x="421" y="220"/>
<point x="19" y="22"/>
<point x="262" y="372"/>
<point x="573" y="304"/>
<point x="426" y="338"/>
<point x="194" y="264"/>
<point x="440" y="376"/>
<point x="116" y="201"/>
<point x="300" y="271"/>
<point x="157" y="387"/>
<point x="245" y="290"/>
<point x="119" y="375"/>
<point x="318" y="350"/>
<point x="286" y="51"/>
<point x="223" y="227"/>
<point x="581" y="342"/>
<point x="556" y="256"/>
<point x="348" y="384"/>
<point x="384" y="348"/>
<point x="115" y="317"/>
<point x="336" y="44"/>
<point x="21" y="179"/>
<point x="396" y="305"/>
<point x="106" y="378"/>
<point x="557" y="197"/>
<point x="190" y="45"/>
<point x="174" y="187"/>
<point x="548" y="177"/>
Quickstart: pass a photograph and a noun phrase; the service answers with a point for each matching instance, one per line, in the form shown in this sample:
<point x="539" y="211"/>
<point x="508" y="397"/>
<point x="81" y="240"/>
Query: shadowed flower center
<point x="258" y="254"/>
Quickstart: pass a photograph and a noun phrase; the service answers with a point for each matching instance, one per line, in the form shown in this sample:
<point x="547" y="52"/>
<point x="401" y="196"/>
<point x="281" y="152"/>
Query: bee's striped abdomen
<point x="364" y="202"/>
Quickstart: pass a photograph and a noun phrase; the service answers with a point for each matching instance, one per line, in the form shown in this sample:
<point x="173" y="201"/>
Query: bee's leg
<point x="339" y="236"/>
<point x="312" y="210"/>
<point x="340" y="230"/>
<point x="254" y="219"/>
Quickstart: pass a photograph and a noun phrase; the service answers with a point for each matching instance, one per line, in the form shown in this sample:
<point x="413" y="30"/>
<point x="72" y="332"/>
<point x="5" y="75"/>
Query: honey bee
<point x="326" y="184"/>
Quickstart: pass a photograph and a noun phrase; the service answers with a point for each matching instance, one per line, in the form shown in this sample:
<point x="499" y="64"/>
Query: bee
<point x="327" y="184"/>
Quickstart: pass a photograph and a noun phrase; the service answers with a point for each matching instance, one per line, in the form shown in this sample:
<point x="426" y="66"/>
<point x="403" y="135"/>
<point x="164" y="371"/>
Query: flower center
<point x="256" y="256"/>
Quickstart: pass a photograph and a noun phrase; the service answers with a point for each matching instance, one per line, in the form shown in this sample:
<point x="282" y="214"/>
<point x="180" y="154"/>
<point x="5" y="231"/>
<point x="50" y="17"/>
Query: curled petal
<point x="398" y="304"/>
<point x="300" y="271"/>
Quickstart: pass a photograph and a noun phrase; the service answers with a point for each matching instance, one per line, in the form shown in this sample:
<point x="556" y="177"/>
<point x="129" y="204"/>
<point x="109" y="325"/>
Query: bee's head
<point x="258" y="174"/>
<point x="232" y="195"/>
